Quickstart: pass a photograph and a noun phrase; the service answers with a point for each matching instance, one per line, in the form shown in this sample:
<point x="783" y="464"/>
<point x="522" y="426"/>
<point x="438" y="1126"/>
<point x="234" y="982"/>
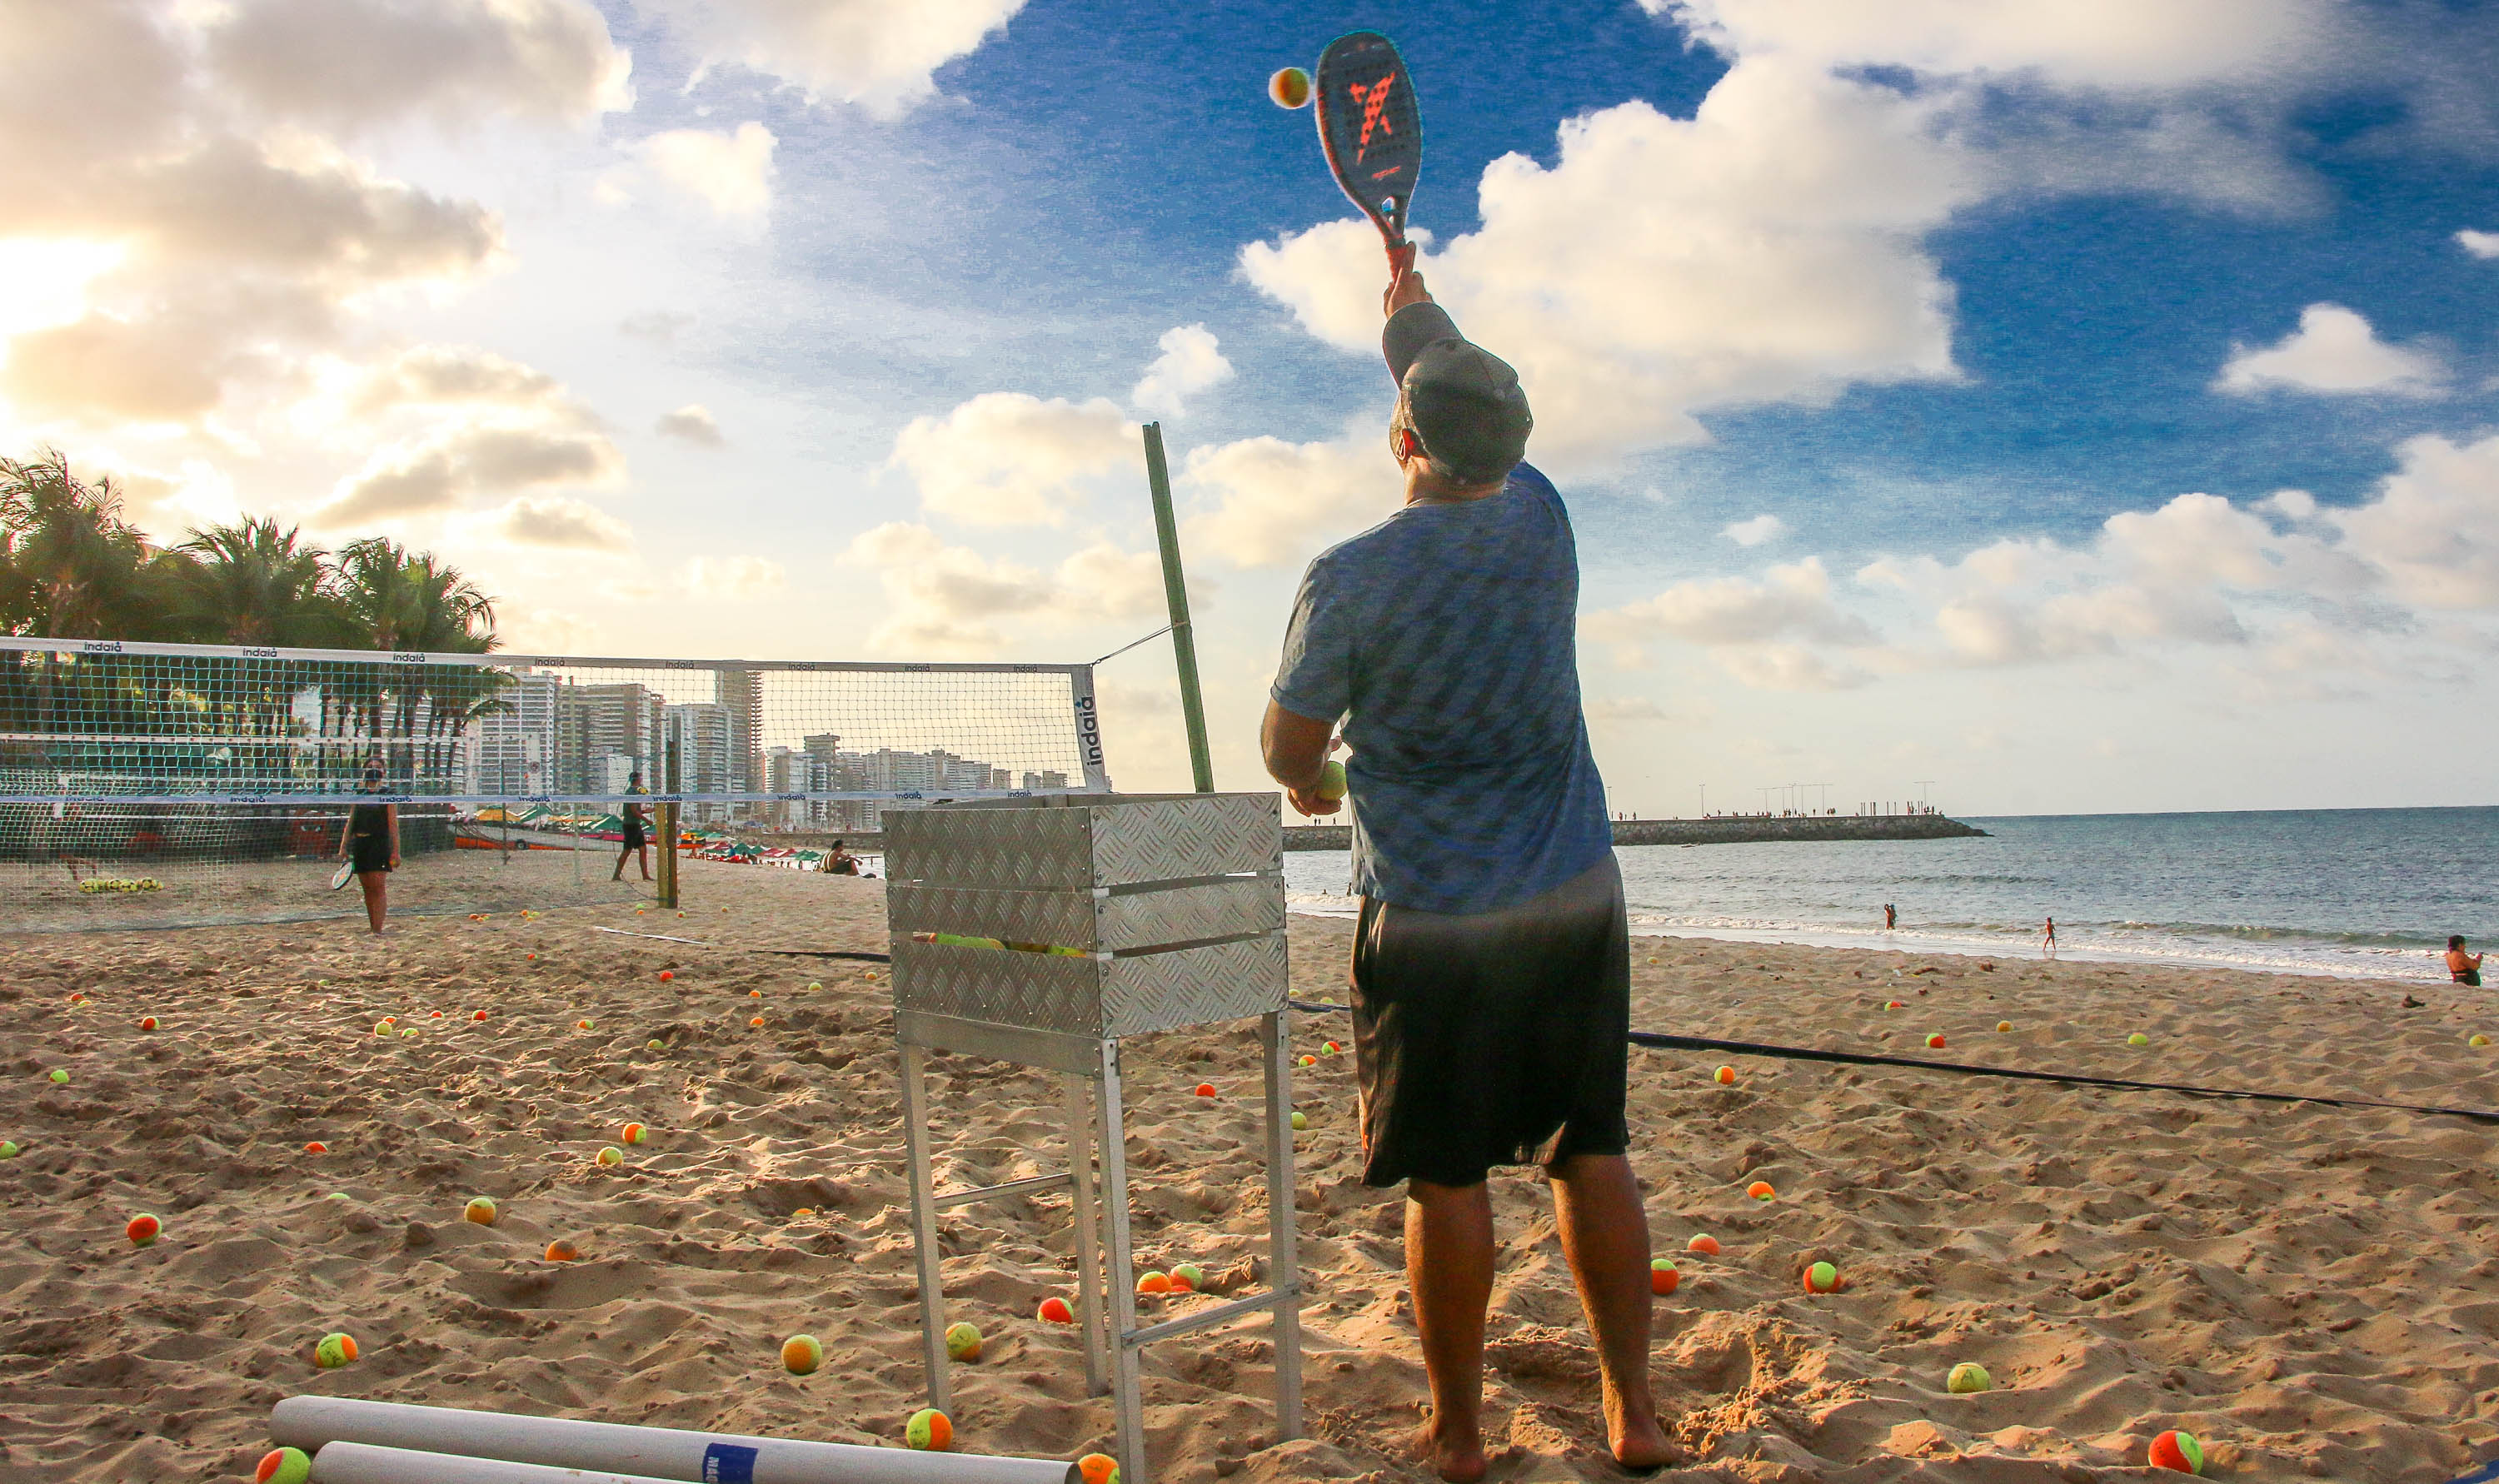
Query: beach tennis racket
<point x="340" y="876"/>
<point x="1372" y="132"/>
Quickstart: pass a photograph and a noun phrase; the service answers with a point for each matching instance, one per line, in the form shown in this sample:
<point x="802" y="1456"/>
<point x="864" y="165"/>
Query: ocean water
<point x="2364" y="892"/>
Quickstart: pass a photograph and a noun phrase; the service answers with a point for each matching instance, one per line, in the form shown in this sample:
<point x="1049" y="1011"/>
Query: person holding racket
<point x="1491" y="973"/>
<point x="369" y="846"/>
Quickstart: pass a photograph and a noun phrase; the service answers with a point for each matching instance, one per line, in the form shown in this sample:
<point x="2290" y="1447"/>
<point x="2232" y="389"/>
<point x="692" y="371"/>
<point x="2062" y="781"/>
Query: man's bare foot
<point x="1458" y="1459"/>
<point x="1639" y="1442"/>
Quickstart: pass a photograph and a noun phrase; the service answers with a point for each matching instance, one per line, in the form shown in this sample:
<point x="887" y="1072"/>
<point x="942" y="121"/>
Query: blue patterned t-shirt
<point x="1446" y="638"/>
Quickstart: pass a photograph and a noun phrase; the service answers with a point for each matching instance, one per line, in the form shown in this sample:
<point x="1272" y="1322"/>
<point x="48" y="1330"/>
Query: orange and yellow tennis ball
<point x="1936" y="1042"/>
<point x="611" y="1155"/>
<point x="436" y="1015"/>
<point x="7" y="1148"/>
<point x="1187" y="1277"/>
<point x="386" y="1025"/>
<point x="480" y="1210"/>
<point x="962" y="1342"/>
<point x="1055" y="1311"/>
<point x="1289" y="87"/>
<point x="479" y="1015"/>
<point x="2140" y="1038"/>
<point x="2176" y="1451"/>
<point x="1098" y="1468"/>
<point x="1307" y="1061"/>
<point x="666" y="975"/>
<point x="1703" y="1244"/>
<point x="2476" y="1040"/>
<point x="316" y="1146"/>
<point x="1206" y="1089"/>
<point x="757" y="1022"/>
<point x="562" y="1252"/>
<point x="802" y="1354"/>
<point x="1760" y="1190"/>
<point x="582" y="1023"/>
<point x="283" y="1466"/>
<point x="1724" y="1077"/>
<point x="1663" y="1275"/>
<point x="143" y="1230"/>
<point x="929" y="1431"/>
<point x="633" y="1133"/>
<point x="755" y="994"/>
<point x="147" y="1022"/>
<point x="1151" y="1282"/>
<point x="59" y="1077"/>
<point x="335" y="1350"/>
<point x="1894" y="1005"/>
<point x="1820" y="1278"/>
<point x="2004" y="1026"/>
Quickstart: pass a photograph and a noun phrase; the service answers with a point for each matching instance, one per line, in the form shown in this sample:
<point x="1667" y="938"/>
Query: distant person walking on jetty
<point x="369" y="844"/>
<point x="2048" y="943"/>
<point x="2462" y="967"/>
<point x="1491" y="966"/>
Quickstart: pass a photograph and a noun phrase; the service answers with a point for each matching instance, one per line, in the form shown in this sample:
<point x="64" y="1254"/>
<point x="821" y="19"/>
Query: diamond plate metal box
<point x="1169" y="910"/>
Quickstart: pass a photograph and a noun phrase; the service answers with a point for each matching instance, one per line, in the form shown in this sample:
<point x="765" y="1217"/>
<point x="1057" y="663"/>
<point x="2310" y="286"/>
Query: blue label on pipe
<point x="729" y="1464"/>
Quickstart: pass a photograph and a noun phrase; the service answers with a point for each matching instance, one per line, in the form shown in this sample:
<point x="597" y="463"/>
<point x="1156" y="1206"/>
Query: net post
<point x="1192" y="708"/>
<point x="664" y="820"/>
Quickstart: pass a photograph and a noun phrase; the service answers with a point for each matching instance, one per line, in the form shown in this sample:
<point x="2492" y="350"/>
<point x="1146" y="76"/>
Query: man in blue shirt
<point x="1491" y="964"/>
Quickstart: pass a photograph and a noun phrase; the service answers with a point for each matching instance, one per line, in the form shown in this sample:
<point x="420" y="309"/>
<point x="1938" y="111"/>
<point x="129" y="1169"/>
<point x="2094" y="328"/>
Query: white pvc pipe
<point x="309" y="1423"/>
<point x="348" y="1463"/>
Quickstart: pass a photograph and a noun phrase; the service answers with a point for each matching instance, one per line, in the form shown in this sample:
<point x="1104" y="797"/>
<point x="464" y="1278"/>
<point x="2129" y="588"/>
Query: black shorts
<point x="368" y="852"/>
<point x="1494" y="1038"/>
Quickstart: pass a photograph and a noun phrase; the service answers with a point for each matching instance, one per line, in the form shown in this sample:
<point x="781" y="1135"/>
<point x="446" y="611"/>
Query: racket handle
<point x="1401" y="259"/>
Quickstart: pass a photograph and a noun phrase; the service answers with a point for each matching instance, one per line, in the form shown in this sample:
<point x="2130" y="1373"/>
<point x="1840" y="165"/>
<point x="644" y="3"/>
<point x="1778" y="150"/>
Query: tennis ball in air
<point x="1151" y="1281"/>
<point x="1760" y="1190"/>
<point x="802" y="1354"/>
<point x="929" y="1431"/>
<point x="1055" y="1311"/>
<point x="283" y="1466"/>
<point x="1725" y="1077"/>
<point x="1703" y="1244"/>
<point x="1289" y="87"/>
<point x="1187" y="1277"/>
<point x="1663" y="1275"/>
<point x="147" y="1022"/>
<point x="562" y="1252"/>
<point x="2179" y="1452"/>
<point x="633" y="1133"/>
<point x="2476" y="1040"/>
<point x="1301" y="1121"/>
<point x="1098" y="1468"/>
<point x="334" y="1350"/>
<point x="143" y="1230"/>
<point x="59" y="1078"/>
<point x="1331" y="784"/>
<point x="962" y="1342"/>
<point x="480" y="1210"/>
<point x="611" y="1155"/>
<point x="2138" y="1039"/>
<point x="1820" y="1278"/>
<point x="1936" y="1042"/>
<point x="1968" y="1377"/>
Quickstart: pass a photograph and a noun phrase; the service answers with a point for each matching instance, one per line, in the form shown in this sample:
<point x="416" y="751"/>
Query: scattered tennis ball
<point x="1289" y="89"/>
<point x="562" y="1252"/>
<point x="1055" y="1311"/>
<point x="815" y="984"/>
<point x="1760" y="1190"/>
<point x="7" y="1148"/>
<point x="1151" y="1281"/>
<point x="666" y="975"/>
<point x="1206" y="1089"/>
<point x="582" y="1023"/>
<point x="334" y="1350"/>
<point x="1936" y="1042"/>
<point x="1331" y="784"/>
<point x="479" y="1015"/>
<point x="1309" y="1060"/>
<point x="1724" y="1077"/>
<point x="755" y="994"/>
<point x="1894" y="1005"/>
<point x="2138" y="1039"/>
<point x="2176" y="1451"/>
<point x="633" y="1133"/>
<point x="59" y="1077"/>
<point x="147" y="1022"/>
<point x="1968" y="1377"/>
<point x="962" y="1342"/>
<point x="756" y="1022"/>
<point x="409" y="1034"/>
<point x="436" y="1015"/>
<point x="480" y="1210"/>
<point x="335" y="1195"/>
<point x="1301" y="1121"/>
<point x="316" y="1146"/>
<point x="1098" y="1468"/>
<point x="611" y="1155"/>
<point x="2004" y="1026"/>
<point x="1820" y="1278"/>
<point x="283" y="1466"/>
<point x="1663" y="1275"/>
<point x="804" y="1214"/>
<point x="2476" y="1040"/>
<point x="1703" y="1244"/>
<point x="929" y="1431"/>
<point x="143" y="1230"/>
<point x="1331" y="1048"/>
<point x="1187" y="1277"/>
<point x="802" y="1354"/>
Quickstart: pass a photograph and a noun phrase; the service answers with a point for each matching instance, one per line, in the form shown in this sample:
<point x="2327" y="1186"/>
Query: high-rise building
<point x="742" y="693"/>
<point x="512" y="750"/>
<point x="697" y="736"/>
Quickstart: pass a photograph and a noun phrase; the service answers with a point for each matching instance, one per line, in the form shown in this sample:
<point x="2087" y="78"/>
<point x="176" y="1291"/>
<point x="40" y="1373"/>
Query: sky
<point x="2064" y="406"/>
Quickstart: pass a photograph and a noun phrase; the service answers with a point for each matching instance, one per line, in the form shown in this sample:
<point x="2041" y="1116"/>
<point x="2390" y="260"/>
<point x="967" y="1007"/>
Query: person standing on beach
<point x="636" y="843"/>
<point x="2462" y="967"/>
<point x="1491" y="963"/>
<point x="1890" y="918"/>
<point x="2048" y="943"/>
<point x="369" y="844"/>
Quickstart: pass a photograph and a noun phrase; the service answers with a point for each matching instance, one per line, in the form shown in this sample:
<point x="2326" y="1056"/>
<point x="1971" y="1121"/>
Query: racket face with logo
<point x="1369" y="128"/>
<point x="339" y="877"/>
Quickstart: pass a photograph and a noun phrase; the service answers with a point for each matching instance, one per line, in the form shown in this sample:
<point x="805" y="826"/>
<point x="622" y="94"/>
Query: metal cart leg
<point x="1088" y="1261"/>
<point x="1284" y="1263"/>
<point x="924" y="1223"/>
<point x="1126" y="1386"/>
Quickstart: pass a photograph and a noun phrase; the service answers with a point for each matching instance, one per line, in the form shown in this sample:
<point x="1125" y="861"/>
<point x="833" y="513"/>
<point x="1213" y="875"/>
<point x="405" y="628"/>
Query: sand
<point x="2312" y="1291"/>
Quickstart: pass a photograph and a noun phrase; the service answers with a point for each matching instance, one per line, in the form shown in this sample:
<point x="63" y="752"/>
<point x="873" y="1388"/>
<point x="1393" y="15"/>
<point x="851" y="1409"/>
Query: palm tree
<point x="255" y="584"/>
<point x="413" y="602"/>
<point x="77" y="570"/>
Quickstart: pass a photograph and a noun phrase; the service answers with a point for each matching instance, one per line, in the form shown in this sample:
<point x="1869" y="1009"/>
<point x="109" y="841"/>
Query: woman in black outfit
<point x="636" y="841"/>
<point x="369" y="844"/>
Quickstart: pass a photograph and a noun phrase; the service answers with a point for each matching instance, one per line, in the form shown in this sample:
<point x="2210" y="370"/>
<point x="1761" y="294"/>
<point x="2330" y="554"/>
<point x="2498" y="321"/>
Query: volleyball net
<point x="161" y="784"/>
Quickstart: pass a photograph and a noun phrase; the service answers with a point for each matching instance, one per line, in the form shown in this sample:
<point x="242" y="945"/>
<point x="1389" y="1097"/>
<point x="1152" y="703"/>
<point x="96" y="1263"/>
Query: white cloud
<point x="1190" y="364"/>
<point x="943" y="599"/>
<point x="731" y="172"/>
<point x="350" y="64"/>
<point x="1009" y="459"/>
<point x="1756" y="530"/>
<point x="453" y="376"/>
<point x="2433" y="527"/>
<point x="1276" y="503"/>
<point x="1765" y="249"/>
<point x="695" y="424"/>
<point x="1790" y="668"/>
<point x="2482" y="244"/>
<point x="731" y="579"/>
<point x="1791" y="601"/>
<point x="2333" y="351"/>
<point x="876" y="53"/>
<point x="468" y="456"/>
<point x="570" y="524"/>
